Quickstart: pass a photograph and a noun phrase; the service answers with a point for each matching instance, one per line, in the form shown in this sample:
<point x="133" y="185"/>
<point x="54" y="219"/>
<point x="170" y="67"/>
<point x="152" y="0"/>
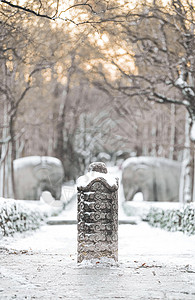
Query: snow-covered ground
<point x="135" y="241"/>
<point x="153" y="264"/>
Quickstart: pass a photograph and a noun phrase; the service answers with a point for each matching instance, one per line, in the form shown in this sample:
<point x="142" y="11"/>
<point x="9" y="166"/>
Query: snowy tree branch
<point x="163" y="99"/>
<point x="7" y="140"/>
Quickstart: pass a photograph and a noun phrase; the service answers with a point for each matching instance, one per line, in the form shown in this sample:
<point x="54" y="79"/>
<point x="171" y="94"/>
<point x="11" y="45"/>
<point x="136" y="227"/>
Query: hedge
<point x="173" y="219"/>
<point x="19" y="216"/>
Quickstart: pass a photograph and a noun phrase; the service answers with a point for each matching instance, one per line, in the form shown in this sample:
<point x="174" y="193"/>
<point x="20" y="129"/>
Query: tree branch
<point x="7" y="140"/>
<point x="28" y="10"/>
<point x="164" y="99"/>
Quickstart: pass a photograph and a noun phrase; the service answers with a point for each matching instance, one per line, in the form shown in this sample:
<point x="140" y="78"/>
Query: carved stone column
<point x="97" y="214"/>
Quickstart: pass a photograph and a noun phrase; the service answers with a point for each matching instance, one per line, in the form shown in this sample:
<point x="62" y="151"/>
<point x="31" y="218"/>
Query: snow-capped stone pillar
<point x="97" y="214"/>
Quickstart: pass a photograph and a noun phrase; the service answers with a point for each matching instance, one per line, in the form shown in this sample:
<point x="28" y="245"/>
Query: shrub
<point x="19" y="216"/>
<point x="173" y="219"/>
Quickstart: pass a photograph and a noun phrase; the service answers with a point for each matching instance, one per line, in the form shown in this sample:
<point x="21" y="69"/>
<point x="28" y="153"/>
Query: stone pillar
<point x="97" y="214"/>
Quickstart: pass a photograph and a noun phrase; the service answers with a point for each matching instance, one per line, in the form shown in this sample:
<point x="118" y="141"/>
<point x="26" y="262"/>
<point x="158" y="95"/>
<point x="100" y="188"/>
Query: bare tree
<point x="14" y="88"/>
<point x="159" y="39"/>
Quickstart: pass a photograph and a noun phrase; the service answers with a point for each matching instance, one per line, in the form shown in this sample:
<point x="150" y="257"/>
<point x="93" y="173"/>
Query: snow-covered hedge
<point x="17" y="215"/>
<point x="173" y="219"/>
<point x="142" y="208"/>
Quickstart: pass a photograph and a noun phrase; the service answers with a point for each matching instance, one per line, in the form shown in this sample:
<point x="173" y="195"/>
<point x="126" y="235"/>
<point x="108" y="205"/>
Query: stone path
<point x="153" y="264"/>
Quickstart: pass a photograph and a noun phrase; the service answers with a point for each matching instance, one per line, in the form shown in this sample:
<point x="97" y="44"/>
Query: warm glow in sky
<point x="109" y="49"/>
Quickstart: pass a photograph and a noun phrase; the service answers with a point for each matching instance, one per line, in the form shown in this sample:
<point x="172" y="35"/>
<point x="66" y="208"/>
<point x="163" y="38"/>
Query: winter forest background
<point x="90" y="80"/>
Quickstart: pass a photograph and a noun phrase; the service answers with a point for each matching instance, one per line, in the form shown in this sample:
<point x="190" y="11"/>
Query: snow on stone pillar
<point x="97" y="214"/>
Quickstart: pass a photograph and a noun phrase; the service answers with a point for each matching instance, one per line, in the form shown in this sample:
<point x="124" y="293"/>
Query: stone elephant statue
<point x="157" y="178"/>
<point x="35" y="174"/>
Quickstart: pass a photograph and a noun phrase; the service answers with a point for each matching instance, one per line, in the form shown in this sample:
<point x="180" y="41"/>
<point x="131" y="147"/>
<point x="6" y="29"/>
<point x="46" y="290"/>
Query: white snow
<point x="89" y="176"/>
<point x="46" y="197"/>
<point x="98" y="263"/>
<point x="35" y="160"/>
<point x="147" y="160"/>
<point x="136" y="242"/>
<point x="30" y="205"/>
<point x="138" y="197"/>
<point x="186" y="88"/>
<point x="180" y="82"/>
<point x="192" y="132"/>
<point x="153" y="264"/>
<point x="186" y="103"/>
<point x="141" y="208"/>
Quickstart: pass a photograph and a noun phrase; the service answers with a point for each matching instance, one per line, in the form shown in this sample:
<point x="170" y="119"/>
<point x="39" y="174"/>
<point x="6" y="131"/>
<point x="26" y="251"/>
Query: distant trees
<point x="155" y="61"/>
<point x="121" y="61"/>
<point x="21" y="60"/>
<point x="12" y="55"/>
<point x="163" y="40"/>
<point x="44" y="95"/>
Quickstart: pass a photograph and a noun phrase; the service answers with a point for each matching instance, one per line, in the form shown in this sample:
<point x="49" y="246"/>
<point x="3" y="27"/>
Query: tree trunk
<point x="12" y="156"/>
<point x="185" y="193"/>
<point x="173" y="132"/>
<point x="192" y="130"/>
<point x="4" y="153"/>
<point x="59" y="151"/>
<point x="6" y="167"/>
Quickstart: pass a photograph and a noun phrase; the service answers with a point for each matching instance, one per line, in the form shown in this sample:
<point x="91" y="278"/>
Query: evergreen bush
<point x="18" y="216"/>
<point x="173" y="219"/>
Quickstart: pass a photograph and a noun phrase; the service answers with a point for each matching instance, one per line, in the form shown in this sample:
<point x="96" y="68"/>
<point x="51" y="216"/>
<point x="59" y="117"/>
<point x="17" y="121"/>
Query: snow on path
<point x="153" y="264"/>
